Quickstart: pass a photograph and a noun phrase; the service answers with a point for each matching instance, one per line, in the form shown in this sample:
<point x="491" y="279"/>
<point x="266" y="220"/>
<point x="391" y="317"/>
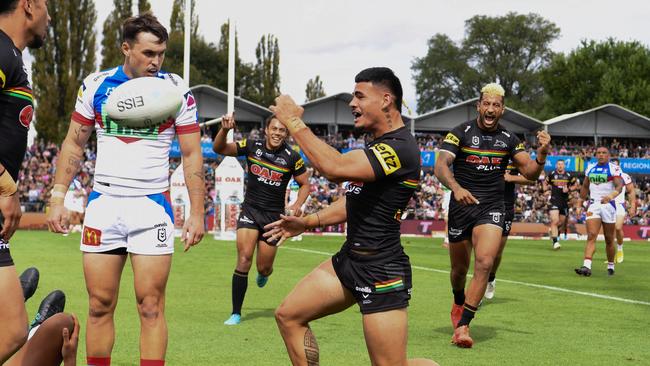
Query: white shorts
<point x="445" y="201"/>
<point x="620" y="209"/>
<point x="141" y="224"/>
<point x="606" y="212"/>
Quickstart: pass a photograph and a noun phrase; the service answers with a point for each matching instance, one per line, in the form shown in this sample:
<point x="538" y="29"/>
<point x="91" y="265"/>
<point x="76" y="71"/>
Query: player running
<point x="511" y="178"/>
<point x="23" y="24"/>
<point x="561" y="183"/>
<point x="371" y="269"/>
<point x="602" y="184"/>
<point x="479" y="151"/>
<point x="129" y="213"/>
<point x="630" y="193"/>
<point x="271" y="164"/>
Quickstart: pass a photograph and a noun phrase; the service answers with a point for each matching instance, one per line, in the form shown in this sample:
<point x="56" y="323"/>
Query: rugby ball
<point x="144" y="102"/>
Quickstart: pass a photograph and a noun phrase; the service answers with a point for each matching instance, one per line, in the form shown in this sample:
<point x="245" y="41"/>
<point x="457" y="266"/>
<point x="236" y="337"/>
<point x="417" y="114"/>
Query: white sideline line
<point x="550" y="288"/>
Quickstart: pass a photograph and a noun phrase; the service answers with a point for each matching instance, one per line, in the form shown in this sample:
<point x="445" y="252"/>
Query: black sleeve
<point x="242" y="147"/>
<point x="453" y="139"/>
<point x="7" y="66"/>
<point x="298" y="164"/>
<point x="386" y="158"/>
<point x="516" y="146"/>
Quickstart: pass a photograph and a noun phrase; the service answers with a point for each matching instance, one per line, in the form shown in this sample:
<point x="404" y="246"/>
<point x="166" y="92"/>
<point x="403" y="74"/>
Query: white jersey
<point x="130" y="162"/>
<point x="293" y="187"/>
<point x="626" y="180"/>
<point x="601" y="180"/>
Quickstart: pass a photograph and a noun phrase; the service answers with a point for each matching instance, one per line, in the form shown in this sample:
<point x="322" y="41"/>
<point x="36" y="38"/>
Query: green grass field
<point x="523" y="324"/>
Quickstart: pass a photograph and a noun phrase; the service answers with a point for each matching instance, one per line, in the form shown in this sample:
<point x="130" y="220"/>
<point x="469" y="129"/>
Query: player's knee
<point x="483" y="264"/>
<point x="264" y="269"/>
<point x="150" y="308"/>
<point x="100" y="307"/>
<point x="244" y="262"/>
<point x="284" y="316"/>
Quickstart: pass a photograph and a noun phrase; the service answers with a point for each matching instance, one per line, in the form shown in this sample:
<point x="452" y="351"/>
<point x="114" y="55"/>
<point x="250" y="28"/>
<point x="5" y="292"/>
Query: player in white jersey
<point x="602" y="184"/>
<point x="129" y="212"/>
<point x="628" y="191"/>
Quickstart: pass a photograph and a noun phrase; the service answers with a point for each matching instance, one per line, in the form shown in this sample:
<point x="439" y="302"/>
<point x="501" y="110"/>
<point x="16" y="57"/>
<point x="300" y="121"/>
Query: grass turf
<point x="521" y="325"/>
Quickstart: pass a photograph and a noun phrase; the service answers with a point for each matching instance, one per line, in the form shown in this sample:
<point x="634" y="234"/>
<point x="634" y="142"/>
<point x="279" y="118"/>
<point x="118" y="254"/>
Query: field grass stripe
<point x="550" y="288"/>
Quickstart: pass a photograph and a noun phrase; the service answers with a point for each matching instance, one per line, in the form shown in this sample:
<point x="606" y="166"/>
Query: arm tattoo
<point x="311" y="348"/>
<point x="199" y="175"/>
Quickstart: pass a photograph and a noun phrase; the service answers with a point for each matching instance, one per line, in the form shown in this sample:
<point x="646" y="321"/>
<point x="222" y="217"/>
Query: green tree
<point x="177" y="19"/>
<point x="267" y="70"/>
<point x="511" y="49"/>
<point x="598" y="73"/>
<point x="143" y="6"/>
<point x="112" y="41"/>
<point x="244" y="72"/>
<point x="314" y="89"/>
<point x="61" y="64"/>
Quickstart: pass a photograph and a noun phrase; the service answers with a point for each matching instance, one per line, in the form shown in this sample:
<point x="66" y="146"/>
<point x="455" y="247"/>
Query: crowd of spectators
<point x="38" y="172"/>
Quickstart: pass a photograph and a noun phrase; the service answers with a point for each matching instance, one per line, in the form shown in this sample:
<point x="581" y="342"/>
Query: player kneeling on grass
<point x="129" y="212"/>
<point x="271" y="164"/>
<point x="479" y="150"/>
<point x="371" y="269"/>
<point x="602" y="184"/>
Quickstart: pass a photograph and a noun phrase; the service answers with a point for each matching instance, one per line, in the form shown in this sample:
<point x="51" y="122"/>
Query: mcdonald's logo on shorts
<point x="92" y="236"/>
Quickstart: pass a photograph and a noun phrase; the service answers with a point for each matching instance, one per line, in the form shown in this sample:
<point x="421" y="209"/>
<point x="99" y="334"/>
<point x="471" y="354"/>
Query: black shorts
<point x="253" y="218"/>
<point x="559" y="205"/>
<point x="5" y="255"/>
<point x="507" y="223"/>
<point x="462" y="219"/>
<point x="378" y="283"/>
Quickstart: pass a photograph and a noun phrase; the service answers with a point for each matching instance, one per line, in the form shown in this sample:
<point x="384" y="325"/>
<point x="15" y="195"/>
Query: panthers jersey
<point x="626" y="180"/>
<point x="269" y="172"/>
<point x="558" y="181"/>
<point x="16" y="106"/>
<point x="601" y="180"/>
<point x="374" y="209"/>
<point x="130" y="161"/>
<point x="481" y="158"/>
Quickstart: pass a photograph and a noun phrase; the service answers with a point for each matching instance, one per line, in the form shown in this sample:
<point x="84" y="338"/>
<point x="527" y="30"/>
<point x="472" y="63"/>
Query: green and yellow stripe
<point x="22" y="93"/>
<point x="389" y="285"/>
<point x="481" y="152"/>
<point x="3" y="79"/>
<point x="268" y="165"/>
<point x="410" y="183"/>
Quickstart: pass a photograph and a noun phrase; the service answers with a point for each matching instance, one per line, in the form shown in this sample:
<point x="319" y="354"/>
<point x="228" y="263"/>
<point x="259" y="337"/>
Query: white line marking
<point x="534" y="285"/>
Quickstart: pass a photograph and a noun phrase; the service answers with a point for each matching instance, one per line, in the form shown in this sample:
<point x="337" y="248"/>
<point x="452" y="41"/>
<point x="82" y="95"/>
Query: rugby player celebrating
<point x="129" y="211"/>
<point x="561" y="183"/>
<point x="371" y="268"/>
<point x="479" y="151"/>
<point x="271" y="164"/>
<point x="23" y="24"/>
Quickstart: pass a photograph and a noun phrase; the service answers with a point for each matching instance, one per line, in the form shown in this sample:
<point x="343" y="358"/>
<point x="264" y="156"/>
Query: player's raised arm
<point x="67" y="165"/>
<point x="517" y="179"/>
<point x="333" y="165"/>
<point x="528" y="167"/>
<point x="220" y="144"/>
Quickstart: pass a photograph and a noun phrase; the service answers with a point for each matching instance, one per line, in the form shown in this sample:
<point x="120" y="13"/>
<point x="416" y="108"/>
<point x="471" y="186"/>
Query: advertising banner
<point x="229" y="189"/>
<point x="180" y="199"/>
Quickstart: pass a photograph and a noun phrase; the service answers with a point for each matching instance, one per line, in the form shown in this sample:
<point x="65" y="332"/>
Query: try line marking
<point x="534" y="285"/>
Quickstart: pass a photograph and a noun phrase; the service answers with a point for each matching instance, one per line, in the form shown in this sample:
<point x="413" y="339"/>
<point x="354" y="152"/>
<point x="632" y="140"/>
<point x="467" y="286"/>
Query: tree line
<point x="513" y="49"/>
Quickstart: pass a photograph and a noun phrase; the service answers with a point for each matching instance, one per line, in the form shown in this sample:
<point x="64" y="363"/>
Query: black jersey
<point x="374" y="209"/>
<point x="269" y="172"/>
<point x="481" y="158"/>
<point x="557" y="182"/>
<point x="16" y="106"/>
<point x="510" y="195"/>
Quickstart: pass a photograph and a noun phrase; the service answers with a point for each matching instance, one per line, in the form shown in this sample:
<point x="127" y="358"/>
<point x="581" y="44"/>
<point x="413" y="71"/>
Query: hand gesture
<point x="70" y="342"/>
<point x="193" y="231"/>
<point x="284" y="228"/>
<point x="464" y="197"/>
<point x="228" y="121"/>
<point x="293" y="210"/>
<point x="285" y="109"/>
<point x="544" y="143"/>
<point x="10" y="208"/>
<point x="55" y="219"/>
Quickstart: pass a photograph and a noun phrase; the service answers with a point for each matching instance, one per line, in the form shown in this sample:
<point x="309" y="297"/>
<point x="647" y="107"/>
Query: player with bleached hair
<point x="479" y="151"/>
